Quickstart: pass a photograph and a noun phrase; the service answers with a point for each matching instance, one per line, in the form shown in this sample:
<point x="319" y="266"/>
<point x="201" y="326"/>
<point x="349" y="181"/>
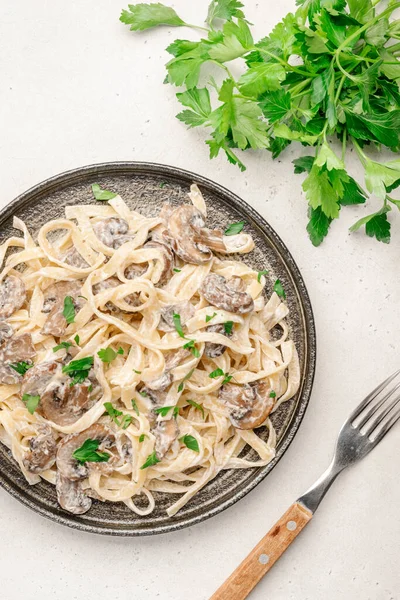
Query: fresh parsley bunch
<point x="331" y="68"/>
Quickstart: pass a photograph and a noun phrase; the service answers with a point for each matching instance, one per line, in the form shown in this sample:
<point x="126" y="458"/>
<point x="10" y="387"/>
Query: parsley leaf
<point x="278" y="289"/>
<point x="107" y="355"/>
<point x="115" y="413"/>
<point x="78" y="369"/>
<point x="151" y="460"/>
<point x="21" y="367"/>
<point x="198" y="100"/>
<point x="187" y="376"/>
<point x="260" y="274"/>
<point x="224" y="9"/>
<point x="190" y="442"/>
<point x="163" y="410"/>
<point x="61" y="345"/>
<point x="137" y="372"/>
<point x="178" y="325"/>
<point x="217" y="373"/>
<point x="275" y="105"/>
<point x="376" y="225"/>
<point x="31" y="402"/>
<point x="318" y="225"/>
<point x="190" y="345"/>
<point x="77" y="340"/>
<point x="209" y="317"/>
<point x="228" y="325"/>
<point x="272" y="394"/>
<point x="88" y="452"/>
<point x="102" y="195"/>
<point x="195" y="405"/>
<point x="145" y="16"/>
<point x="135" y="406"/>
<point x="69" y="309"/>
<point x="177" y="270"/>
<point x="141" y="438"/>
<point x="234" y="228"/>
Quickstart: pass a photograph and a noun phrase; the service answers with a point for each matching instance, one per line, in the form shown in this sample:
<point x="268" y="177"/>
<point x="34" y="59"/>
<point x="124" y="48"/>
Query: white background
<point x="76" y="88"/>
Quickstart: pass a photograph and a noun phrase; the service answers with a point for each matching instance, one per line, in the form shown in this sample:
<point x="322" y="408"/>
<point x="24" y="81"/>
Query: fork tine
<point x="376" y="406"/>
<point x="371" y="396"/>
<point x="382" y="415"/>
<point x="387" y="426"/>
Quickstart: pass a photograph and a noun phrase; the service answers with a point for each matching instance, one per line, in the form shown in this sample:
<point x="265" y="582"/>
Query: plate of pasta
<point x="157" y="348"/>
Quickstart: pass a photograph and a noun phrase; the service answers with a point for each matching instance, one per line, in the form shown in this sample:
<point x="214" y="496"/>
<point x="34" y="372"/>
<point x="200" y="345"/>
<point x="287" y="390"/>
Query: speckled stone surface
<point x="145" y="187"/>
<point x="78" y="88"/>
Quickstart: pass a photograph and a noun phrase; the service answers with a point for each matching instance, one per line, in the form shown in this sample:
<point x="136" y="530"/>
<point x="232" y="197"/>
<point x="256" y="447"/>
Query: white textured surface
<point x="77" y="88"/>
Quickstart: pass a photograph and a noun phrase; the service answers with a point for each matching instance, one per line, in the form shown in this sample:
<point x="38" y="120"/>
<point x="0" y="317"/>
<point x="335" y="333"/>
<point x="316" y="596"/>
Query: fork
<point x="363" y="430"/>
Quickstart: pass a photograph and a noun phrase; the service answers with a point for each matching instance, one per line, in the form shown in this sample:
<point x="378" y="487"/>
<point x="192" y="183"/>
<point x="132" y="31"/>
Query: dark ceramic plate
<point x="146" y="186"/>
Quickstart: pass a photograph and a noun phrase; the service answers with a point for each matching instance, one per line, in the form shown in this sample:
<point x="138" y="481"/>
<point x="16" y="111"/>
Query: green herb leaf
<point x="260" y="274"/>
<point x="209" y="317"/>
<point x="178" y="325"/>
<point x="137" y="372"/>
<point x="144" y="394"/>
<point x="226" y="378"/>
<point x="77" y="340"/>
<point x="187" y="376"/>
<point x="376" y="225"/>
<point x="272" y="394"/>
<point x="141" y="438"/>
<point x="217" y="373"/>
<point x="79" y="369"/>
<point x="198" y="100"/>
<point x="303" y="164"/>
<point x="275" y="105"/>
<point x="228" y="326"/>
<point x="135" y="406"/>
<point x="62" y="345"/>
<point x="234" y="228"/>
<point x="21" y="367"/>
<point x="31" y="402"/>
<point x="224" y="10"/>
<point x="361" y="10"/>
<point x="190" y="442"/>
<point x="145" y="16"/>
<point x="318" y="225"/>
<point x="319" y="192"/>
<point x="88" y="452"/>
<point x="150" y="461"/>
<point x="262" y="78"/>
<point x="195" y="405"/>
<point x="177" y="270"/>
<point x="236" y="41"/>
<point x="102" y="195"/>
<point x="278" y="289"/>
<point x="163" y="410"/>
<point x="69" y="309"/>
<point x="107" y="355"/>
<point x="190" y="345"/>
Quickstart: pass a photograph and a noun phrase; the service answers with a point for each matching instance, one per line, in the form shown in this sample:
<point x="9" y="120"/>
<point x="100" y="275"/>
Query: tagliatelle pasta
<point x="136" y="356"/>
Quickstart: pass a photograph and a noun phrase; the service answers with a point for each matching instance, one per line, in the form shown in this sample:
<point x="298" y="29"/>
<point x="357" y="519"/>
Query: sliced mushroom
<point x="53" y="304"/>
<point x="172" y="360"/>
<point x="74" y="259"/>
<point x="113" y="232"/>
<point x="42" y="453"/>
<point x="248" y="405"/>
<point x="68" y="466"/>
<point x="184" y="309"/>
<point x="166" y="432"/>
<point x="212" y="238"/>
<point x="113" y="282"/>
<point x="6" y="331"/>
<point x="18" y="349"/>
<point x="60" y="402"/>
<point x="134" y="270"/>
<point x="214" y="350"/>
<point x="71" y="496"/>
<point x="227" y="295"/>
<point x="168" y="258"/>
<point x="184" y="224"/>
<point x="12" y="295"/>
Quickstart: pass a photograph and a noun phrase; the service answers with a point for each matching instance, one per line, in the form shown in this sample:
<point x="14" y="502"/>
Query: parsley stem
<point x="340" y="86"/>
<point x="225" y="68"/>
<point x="344" y="142"/>
<point x="197" y="27"/>
<point x="284" y="63"/>
<point x="362" y="156"/>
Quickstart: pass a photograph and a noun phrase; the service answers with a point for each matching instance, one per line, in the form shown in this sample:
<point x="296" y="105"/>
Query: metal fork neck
<point x="312" y="498"/>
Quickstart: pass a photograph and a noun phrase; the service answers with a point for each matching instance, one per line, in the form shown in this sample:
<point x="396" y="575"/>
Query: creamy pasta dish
<point x="136" y="356"/>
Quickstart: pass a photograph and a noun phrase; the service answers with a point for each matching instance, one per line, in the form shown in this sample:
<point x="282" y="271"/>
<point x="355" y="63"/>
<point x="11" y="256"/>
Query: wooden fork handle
<point x="260" y="560"/>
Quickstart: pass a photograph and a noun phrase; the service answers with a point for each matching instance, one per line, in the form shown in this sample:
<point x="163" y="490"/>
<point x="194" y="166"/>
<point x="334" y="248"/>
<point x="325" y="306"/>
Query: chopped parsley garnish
<point x="234" y="228"/>
<point x="163" y="410"/>
<point x="228" y="325"/>
<point x="144" y="394"/>
<point x="272" y="394"/>
<point x="141" y="438"/>
<point x="182" y="383"/>
<point x="84" y="297"/>
<point x="31" y="402"/>
<point x="195" y="405"/>
<point x="278" y="289"/>
<point x="77" y="340"/>
<point x="107" y="355"/>
<point x="162" y="184"/>
<point x="62" y="345"/>
<point x="115" y="413"/>
<point x="100" y="194"/>
<point x="178" y="325"/>
<point x="135" y="406"/>
<point x="220" y="373"/>
<point x="79" y="369"/>
<point x="190" y="345"/>
<point x="137" y="372"/>
<point x="88" y="452"/>
<point x="69" y="309"/>
<point x="177" y="270"/>
<point x="209" y="317"/>
<point x="260" y="274"/>
<point x="21" y="367"/>
<point x="150" y="460"/>
<point x="176" y="411"/>
<point x="190" y="442"/>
